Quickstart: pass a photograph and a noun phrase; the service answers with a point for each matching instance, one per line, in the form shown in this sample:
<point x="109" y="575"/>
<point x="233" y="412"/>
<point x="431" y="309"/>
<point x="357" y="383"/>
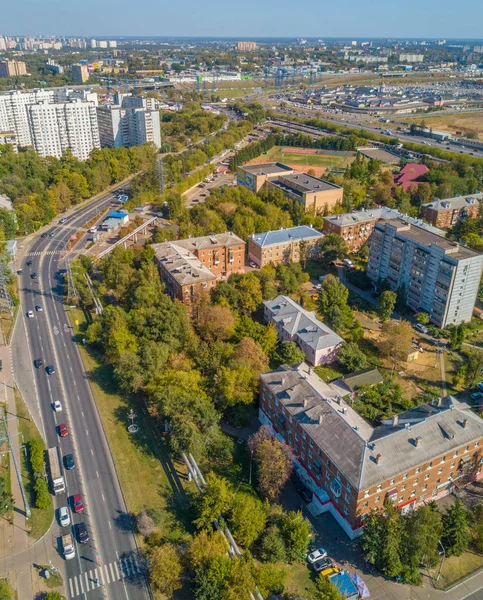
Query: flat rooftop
<point x="427" y="238"/>
<point x="378" y="154"/>
<point x="215" y="240"/>
<point x="272" y="168"/>
<point x="306" y="182"/>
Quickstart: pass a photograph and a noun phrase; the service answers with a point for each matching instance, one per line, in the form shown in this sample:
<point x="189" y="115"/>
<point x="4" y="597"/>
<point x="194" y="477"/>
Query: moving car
<point x="50" y="370"/>
<point x="69" y="462"/>
<point x="30" y="314"/>
<point x="64" y="517"/>
<point x="63" y="220"/>
<point x="52" y="233"/>
<point x="39" y="308"/>
<point x="33" y="275"/>
<point x="63" y="431"/>
<point x="57" y="406"/>
<point x="38" y="363"/>
<point x="316" y="555"/>
<point x="28" y="263"/>
<point x="82" y="534"/>
<point x="77" y="503"/>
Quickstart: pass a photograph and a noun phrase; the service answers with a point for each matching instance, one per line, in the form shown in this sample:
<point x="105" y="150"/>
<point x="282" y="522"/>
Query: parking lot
<point x="201" y="192"/>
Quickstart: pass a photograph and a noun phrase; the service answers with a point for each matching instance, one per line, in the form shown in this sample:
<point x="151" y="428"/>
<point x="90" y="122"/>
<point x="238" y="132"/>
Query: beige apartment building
<point x="12" y="68"/>
<point x="283" y="246"/>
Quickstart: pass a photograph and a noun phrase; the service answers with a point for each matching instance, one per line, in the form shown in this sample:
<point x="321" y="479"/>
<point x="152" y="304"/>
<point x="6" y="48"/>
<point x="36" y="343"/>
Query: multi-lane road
<point x="109" y="565"/>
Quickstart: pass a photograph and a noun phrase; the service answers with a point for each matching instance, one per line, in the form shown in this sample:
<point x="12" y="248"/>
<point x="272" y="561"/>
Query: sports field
<point x="303" y="159"/>
<point x="458" y="124"/>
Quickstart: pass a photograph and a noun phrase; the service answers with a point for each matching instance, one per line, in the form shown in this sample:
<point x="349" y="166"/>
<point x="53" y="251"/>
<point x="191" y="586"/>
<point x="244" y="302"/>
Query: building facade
<point x="80" y="73"/>
<point x="283" y="246"/>
<point x="128" y="127"/>
<point x="247" y="46"/>
<point x="352" y="467"/>
<point x="449" y="212"/>
<point x="316" y="195"/>
<point x="254" y="177"/>
<point x="13" y="112"/>
<point x="438" y="276"/>
<point x="12" y="68"/>
<point x="57" y="127"/>
<point x="295" y="324"/>
<point x="191" y="266"/>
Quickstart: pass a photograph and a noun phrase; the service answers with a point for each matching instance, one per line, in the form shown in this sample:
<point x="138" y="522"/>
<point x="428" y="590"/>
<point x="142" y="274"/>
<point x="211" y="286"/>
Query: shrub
<point x="37" y="450"/>
<point x="42" y="496"/>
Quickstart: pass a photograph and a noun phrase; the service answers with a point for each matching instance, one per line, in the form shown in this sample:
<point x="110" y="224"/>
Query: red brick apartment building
<point x="447" y="213"/>
<point x="351" y="466"/>
<point x="188" y="267"/>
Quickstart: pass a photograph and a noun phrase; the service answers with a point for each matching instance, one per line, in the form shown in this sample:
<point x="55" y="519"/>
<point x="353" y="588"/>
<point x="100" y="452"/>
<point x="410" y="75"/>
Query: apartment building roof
<point x="272" y="168"/>
<point x="296" y="320"/>
<point x="375" y="214"/>
<point x="426" y="237"/>
<point x="181" y="264"/>
<point x="369" y="455"/>
<point x="458" y="202"/>
<point x="305" y="183"/>
<point x="284" y="235"/>
<point x="210" y="241"/>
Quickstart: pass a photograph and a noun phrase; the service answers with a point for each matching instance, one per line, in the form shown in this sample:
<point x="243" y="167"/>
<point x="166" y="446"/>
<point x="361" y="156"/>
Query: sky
<point x="245" y="18"/>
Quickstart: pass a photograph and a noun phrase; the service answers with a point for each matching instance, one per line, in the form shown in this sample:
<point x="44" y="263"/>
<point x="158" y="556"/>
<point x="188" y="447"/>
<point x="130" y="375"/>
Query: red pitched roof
<point x="409" y="174"/>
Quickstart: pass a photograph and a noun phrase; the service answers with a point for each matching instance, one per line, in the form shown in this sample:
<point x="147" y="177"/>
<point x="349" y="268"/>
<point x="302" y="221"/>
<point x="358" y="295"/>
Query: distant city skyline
<point x="271" y="18"/>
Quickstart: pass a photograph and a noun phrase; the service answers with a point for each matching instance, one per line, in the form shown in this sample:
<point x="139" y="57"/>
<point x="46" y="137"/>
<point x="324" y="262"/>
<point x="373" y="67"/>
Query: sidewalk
<point x="19" y="541"/>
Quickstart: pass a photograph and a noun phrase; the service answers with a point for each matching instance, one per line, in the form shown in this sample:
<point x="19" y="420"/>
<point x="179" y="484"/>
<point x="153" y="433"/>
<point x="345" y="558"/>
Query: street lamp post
<point x="250" y="475"/>
<point x="443" y="556"/>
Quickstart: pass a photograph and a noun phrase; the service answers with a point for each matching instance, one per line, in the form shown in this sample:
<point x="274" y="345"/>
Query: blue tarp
<point x="344" y="584"/>
<point x="117" y="215"/>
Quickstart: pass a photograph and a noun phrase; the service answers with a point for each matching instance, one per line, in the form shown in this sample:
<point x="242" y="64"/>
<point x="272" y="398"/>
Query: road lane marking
<point x="109" y="524"/>
<point x="97" y="474"/>
<point x="87" y="581"/>
<point x="92" y="452"/>
<point x="106" y="575"/>
<point x="103" y="499"/>
<point x="80" y="583"/>
<point x="87" y="433"/>
<point x="71" y="587"/>
<point x="111" y="567"/>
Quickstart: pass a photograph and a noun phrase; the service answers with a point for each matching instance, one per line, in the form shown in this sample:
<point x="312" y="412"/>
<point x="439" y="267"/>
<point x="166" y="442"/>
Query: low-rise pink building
<point x="295" y="324"/>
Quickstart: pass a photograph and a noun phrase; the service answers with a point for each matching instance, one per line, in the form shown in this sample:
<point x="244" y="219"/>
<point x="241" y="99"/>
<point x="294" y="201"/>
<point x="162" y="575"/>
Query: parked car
<point x="480" y="386"/>
<point x="477" y="396"/>
<point x="82" y="534"/>
<point x="422" y="328"/>
<point x="28" y="263"/>
<point x="316" y="555"/>
<point x="321" y="565"/>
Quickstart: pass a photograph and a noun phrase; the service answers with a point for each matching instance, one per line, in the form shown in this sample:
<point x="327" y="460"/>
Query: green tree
<point x="391" y="547"/>
<point x="48" y="596"/>
<point x="332" y="247"/>
<point x="269" y="578"/>
<point x="332" y="304"/>
<point x="352" y="357"/>
<point x="457" y="336"/>
<point x="289" y="353"/>
<point x="272" y="545"/>
<point x="477" y="527"/>
<point x="247" y="519"/>
<point x="387" y="302"/>
<point x="474" y="367"/>
<point x="295" y="530"/>
<point x="216" y="500"/>
<point x="326" y="590"/>
<point x="372" y="537"/>
<point x="422" y="531"/>
<point x="42" y="496"/>
<point x="165" y="569"/>
<point x="422" y="317"/>
<point x="7" y="593"/>
<point x="205" y="546"/>
<point x="456" y="533"/>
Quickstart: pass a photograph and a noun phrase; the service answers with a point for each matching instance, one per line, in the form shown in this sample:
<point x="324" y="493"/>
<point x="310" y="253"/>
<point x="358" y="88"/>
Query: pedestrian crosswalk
<point x="102" y="575"/>
<point x="45" y="253"/>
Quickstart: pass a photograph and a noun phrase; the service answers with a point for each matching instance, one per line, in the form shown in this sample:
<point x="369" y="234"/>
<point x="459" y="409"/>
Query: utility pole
<point x="443" y="556"/>
<point x="28" y="512"/>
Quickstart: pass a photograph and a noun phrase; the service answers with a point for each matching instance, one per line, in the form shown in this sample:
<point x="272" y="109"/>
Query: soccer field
<point x="290" y="156"/>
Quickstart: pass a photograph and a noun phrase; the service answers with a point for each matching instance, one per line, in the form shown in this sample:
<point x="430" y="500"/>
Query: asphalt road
<point x="111" y="555"/>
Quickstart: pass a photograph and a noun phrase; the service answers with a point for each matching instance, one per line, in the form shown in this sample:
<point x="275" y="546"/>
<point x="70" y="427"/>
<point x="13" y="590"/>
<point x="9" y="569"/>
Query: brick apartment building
<point x="356" y="227"/>
<point x="352" y="467"/>
<point x="190" y="266"/>
<point x="282" y="246"/>
<point x="316" y="195"/>
<point x="447" y="213"/>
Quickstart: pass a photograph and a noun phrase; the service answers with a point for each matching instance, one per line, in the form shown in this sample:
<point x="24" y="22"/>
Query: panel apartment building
<point x="316" y="195"/>
<point x="189" y="267"/>
<point x="352" y="467"/>
<point x="12" y="68"/>
<point x="440" y="277"/>
<point x="133" y="123"/>
<point x="449" y="212"/>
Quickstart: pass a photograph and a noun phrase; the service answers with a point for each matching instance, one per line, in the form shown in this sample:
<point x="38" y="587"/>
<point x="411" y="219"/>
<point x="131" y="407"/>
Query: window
<point x="430" y="464"/>
<point x="467" y="449"/>
<point x="450" y="476"/>
<point x="443" y="459"/>
<point x="477" y="444"/>
<point x="455" y="454"/>
<point x="453" y="465"/>
<point x="393" y="481"/>
<point x="346" y="510"/>
<point x="366" y="493"/>
<point x="379" y="488"/>
<point x="425" y="487"/>
<point x="426" y="477"/>
<point x="405" y="476"/>
<point x="415" y="482"/>
<point x="366" y="504"/>
<point x="403" y="487"/>
<point x="401" y="498"/>
<point x="378" y="498"/>
<point x="413" y="493"/>
<point x="418" y="471"/>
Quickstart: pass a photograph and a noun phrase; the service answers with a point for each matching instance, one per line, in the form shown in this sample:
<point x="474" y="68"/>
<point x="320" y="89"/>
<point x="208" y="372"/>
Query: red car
<point x="77" y="503"/>
<point x="63" y="431"/>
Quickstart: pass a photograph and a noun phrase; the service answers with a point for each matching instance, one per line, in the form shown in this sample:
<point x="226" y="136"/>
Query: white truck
<point x="57" y="481"/>
<point x="68" y="546"/>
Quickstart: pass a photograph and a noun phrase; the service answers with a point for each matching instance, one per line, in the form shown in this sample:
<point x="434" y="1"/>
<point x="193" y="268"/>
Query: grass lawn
<point x="330" y="373"/>
<point x="309" y="160"/>
<point x="457" y="567"/>
<point x="141" y="460"/>
<point x="464" y="122"/>
<point x="316" y="268"/>
<point x="41" y="519"/>
<point x="299" y="581"/>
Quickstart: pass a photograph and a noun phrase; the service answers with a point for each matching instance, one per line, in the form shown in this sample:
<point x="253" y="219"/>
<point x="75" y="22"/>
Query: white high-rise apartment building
<point x="13" y="113"/>
<point x="68" y="125"/>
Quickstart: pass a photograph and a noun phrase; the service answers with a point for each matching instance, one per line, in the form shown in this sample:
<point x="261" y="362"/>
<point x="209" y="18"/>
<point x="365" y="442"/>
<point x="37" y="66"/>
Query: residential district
<point x="241" y="318"/>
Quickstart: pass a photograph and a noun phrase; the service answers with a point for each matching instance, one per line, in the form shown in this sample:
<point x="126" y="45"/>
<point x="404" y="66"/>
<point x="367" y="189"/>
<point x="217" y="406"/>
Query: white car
<point x="30" y="314"/>
<point x="57" y="406"/>
<point x="422" y="328"/>
<point x="64" y="517"/>
<point x="39" y="308"/>
<point x="317" y="555"/>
